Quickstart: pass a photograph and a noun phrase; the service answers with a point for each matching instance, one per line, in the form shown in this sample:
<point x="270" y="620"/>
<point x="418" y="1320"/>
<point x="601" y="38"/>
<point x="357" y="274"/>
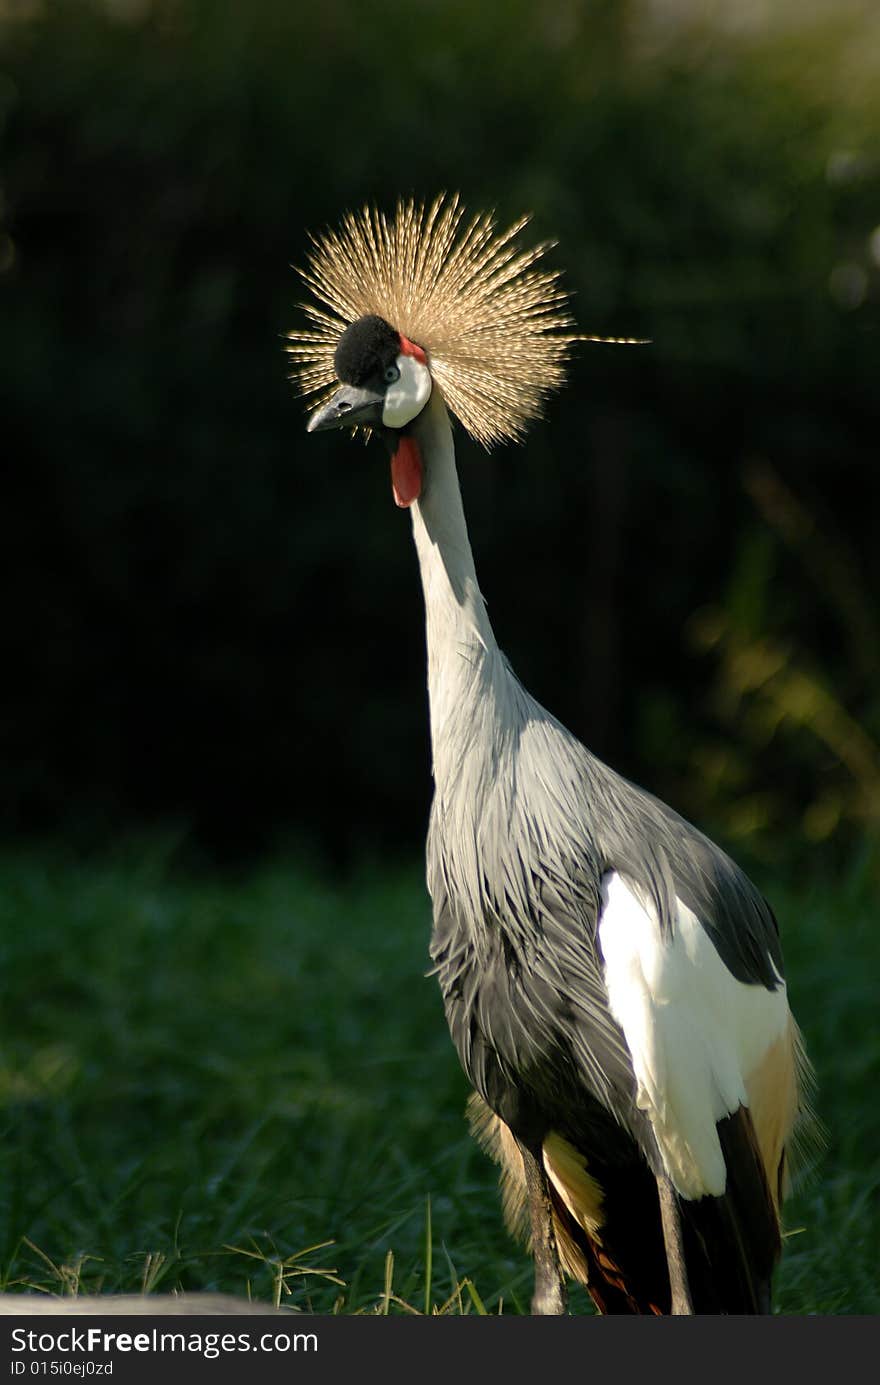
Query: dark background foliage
<point x="211" y="618"/>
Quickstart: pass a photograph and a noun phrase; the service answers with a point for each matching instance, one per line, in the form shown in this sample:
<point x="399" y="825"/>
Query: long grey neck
<point x="464" y="663"/>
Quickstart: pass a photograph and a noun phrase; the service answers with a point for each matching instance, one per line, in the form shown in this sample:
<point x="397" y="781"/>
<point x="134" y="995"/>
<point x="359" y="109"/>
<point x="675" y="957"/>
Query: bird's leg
<point x="549" y="1296"/>
<point x="670" y="1217"/>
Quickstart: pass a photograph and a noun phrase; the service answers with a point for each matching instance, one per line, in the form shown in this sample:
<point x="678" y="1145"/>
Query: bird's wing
<point x="702" y="1042"/>
<point x="671" y="863"/>
<point x="717" y="1061"/>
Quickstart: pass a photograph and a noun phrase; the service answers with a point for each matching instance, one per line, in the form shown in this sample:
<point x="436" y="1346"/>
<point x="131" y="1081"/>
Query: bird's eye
<point x="392" y="373"/>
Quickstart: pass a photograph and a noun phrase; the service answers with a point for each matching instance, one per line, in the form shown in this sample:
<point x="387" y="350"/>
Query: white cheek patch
<point x="406" y="397"/>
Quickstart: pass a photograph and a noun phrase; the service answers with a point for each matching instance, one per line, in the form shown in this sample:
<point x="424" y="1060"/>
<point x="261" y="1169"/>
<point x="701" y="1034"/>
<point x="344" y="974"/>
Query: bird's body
<point x="613" y="983"/>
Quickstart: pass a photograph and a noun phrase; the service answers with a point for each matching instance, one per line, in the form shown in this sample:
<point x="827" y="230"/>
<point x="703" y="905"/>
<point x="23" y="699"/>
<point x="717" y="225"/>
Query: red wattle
<point x="406" y="473"/>
<point x="409" y="348"/>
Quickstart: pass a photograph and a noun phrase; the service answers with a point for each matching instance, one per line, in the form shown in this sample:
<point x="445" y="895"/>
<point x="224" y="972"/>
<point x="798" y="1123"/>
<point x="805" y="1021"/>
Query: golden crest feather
<point x="494" y="327"/>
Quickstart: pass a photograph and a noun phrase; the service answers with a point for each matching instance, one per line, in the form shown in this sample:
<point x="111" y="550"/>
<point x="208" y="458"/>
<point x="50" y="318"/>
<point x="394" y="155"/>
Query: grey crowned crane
<point x="612" y="981"/>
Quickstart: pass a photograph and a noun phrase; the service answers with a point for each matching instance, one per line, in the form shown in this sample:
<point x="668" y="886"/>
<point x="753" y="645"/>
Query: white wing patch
<point x="694" y="1032"/>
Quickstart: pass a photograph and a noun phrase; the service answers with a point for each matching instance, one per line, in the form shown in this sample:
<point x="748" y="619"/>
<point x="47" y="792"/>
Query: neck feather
<point x="467" y="675"/>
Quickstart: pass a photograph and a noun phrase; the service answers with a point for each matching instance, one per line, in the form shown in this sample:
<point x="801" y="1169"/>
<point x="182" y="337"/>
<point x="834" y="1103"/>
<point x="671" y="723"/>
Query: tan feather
<point x="494" y="327"/>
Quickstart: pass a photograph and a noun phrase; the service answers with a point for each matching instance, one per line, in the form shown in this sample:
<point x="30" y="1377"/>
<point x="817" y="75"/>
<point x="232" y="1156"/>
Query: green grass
<point x="245" y="1084"/>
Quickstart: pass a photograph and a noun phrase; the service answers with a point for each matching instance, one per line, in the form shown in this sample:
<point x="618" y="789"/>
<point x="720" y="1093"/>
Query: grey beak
<point x="348" y="407"/>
